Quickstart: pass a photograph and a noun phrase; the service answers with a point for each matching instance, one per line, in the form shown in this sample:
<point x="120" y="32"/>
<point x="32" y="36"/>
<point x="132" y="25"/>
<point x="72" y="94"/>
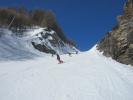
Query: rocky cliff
<point x="118" y="43"/>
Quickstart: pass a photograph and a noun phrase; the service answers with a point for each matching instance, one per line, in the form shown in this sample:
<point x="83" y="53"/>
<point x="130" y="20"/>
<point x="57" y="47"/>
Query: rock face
<point x="118" y="43"/>
<point x="48" y="41"/>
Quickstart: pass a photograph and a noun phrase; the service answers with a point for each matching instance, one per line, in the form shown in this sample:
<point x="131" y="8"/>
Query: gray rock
<point x="118" y="43"/>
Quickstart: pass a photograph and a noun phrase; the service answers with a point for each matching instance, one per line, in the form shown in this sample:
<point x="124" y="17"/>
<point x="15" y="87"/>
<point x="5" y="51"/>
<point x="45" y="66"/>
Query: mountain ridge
<point x="118" y="43"/>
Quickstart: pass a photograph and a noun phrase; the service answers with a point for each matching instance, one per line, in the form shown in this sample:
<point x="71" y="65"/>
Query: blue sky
<point x="85" y="21"/>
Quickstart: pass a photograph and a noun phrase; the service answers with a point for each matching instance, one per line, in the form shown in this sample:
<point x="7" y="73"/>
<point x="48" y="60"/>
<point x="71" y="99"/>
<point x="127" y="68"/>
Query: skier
<point x="58" y="58"/>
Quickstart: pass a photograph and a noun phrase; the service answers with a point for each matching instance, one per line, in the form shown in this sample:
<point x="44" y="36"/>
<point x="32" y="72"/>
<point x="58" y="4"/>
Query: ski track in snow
<point x="86" y="76"/>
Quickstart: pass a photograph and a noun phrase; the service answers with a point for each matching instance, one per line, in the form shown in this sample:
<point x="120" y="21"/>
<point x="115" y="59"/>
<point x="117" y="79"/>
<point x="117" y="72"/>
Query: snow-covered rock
<point x="48" y="41"/>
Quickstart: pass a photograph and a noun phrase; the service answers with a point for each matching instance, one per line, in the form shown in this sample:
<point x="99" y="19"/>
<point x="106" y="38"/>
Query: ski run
<point x="85" y="76"/>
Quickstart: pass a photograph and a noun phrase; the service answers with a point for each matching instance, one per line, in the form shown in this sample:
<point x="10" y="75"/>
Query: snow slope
<point x="86" y="76"/>
<point x="14" y="47"/>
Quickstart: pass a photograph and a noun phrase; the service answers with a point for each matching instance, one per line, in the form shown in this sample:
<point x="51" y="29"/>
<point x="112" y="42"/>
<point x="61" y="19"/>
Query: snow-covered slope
<point x="14" y="47"/>
<point x="86" y="76"/>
